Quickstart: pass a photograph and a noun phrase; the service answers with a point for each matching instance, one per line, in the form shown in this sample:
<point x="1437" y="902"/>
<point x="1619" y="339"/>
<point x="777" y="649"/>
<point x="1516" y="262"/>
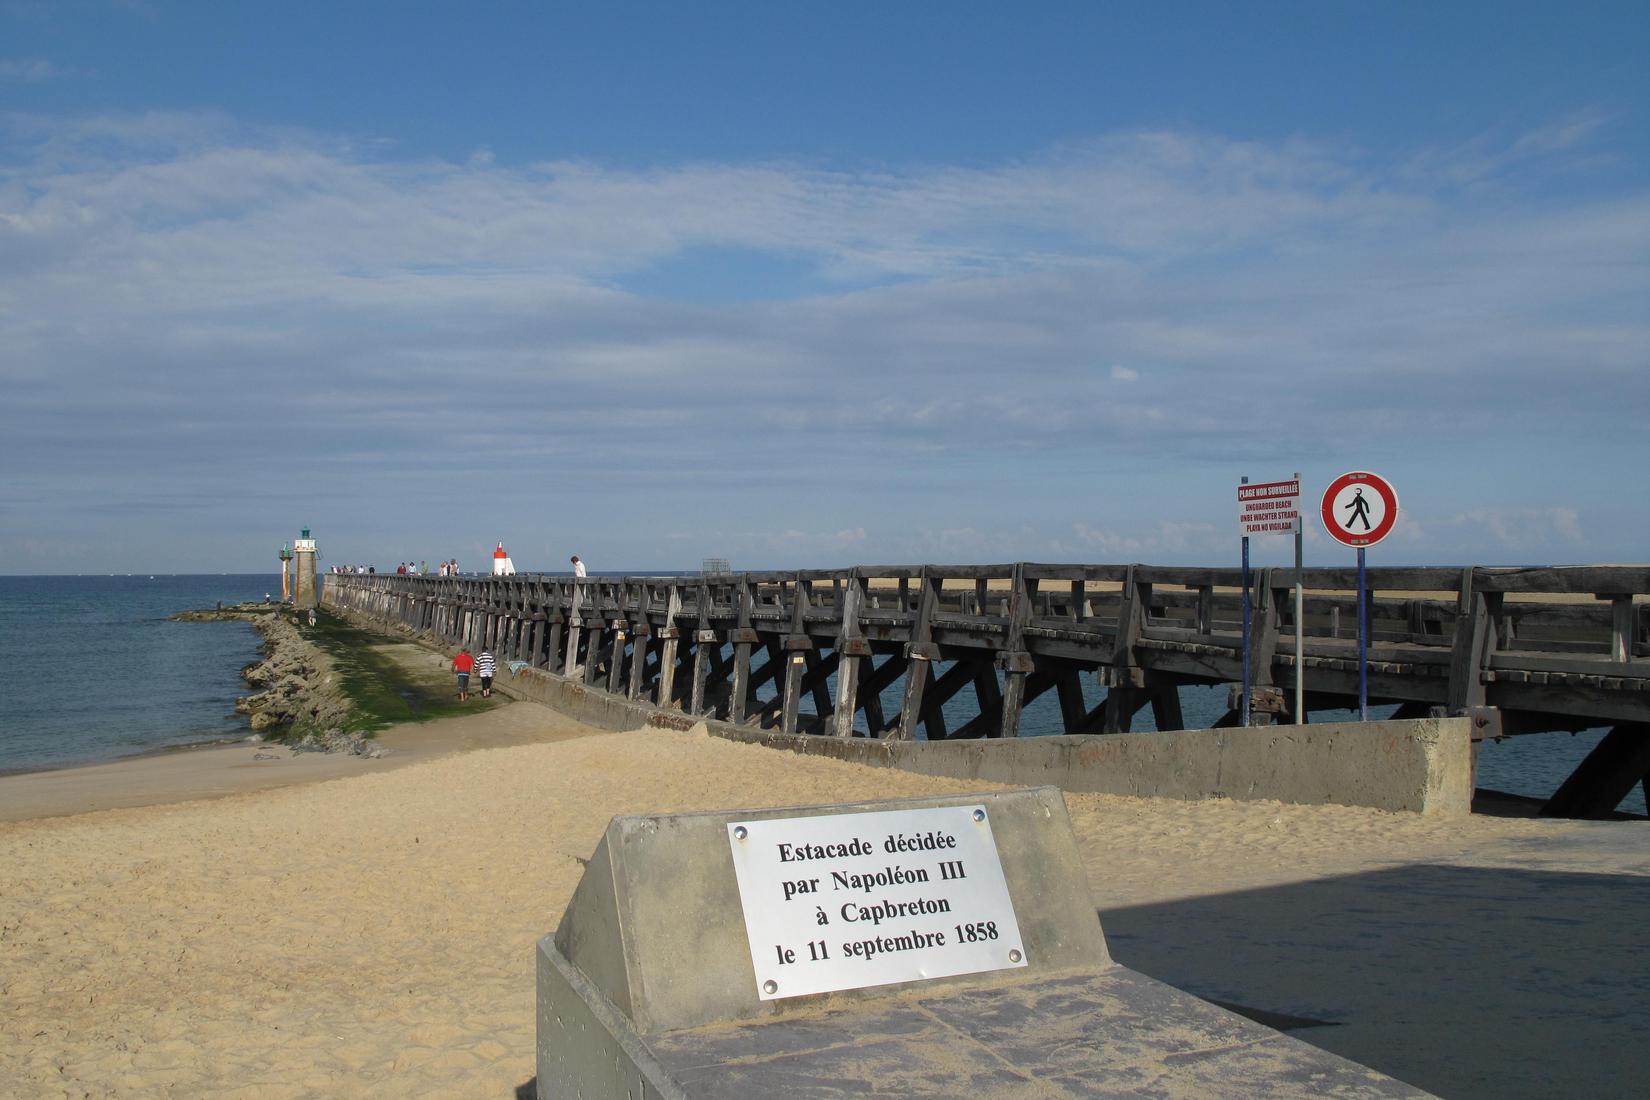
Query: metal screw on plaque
<point x="979" y="815"/>
<point x="1014" y="955"/>
<point x="740" y="833"/>
<point x="770" y="987"/>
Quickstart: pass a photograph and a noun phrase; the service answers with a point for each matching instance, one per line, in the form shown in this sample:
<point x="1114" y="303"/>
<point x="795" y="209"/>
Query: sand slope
<point x="373" y="936"/>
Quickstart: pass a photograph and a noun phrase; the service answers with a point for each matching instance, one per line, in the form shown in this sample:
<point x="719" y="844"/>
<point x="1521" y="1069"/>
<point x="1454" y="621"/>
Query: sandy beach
<point x="203" y="924"/>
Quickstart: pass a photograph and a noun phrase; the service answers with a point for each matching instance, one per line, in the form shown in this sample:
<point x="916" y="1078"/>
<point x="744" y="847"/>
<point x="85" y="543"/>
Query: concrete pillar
<point x="307" y="592"/>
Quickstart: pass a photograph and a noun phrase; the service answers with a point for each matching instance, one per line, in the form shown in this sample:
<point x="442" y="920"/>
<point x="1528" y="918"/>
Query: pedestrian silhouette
<point x="1360" y="510"/>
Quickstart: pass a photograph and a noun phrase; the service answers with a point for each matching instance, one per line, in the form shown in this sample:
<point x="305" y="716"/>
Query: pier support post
<point x="706" y="643"/>
<point x="668" y="646"/>
<point x="552" y="648"/>
<point x="1015" y="662"/>
<point x="1016" y="667"/>
<point x="796" y="663"/>
<point x="1474" y="640"/>
<point x="615" y="659"/>
<point x="575" y="627"/>
<point x="852" y="652"/>
<point x="704" y="637"/>
<point x="743" y="638"/>
<point x="918" y="675"/>
<point x="1123" y="676"/>
<point x="922" y="653"/>
<point x="535" y="641"/>
<point x="640" y="638"/>
<point x="852" y="646"/>
<point x="796" y="644"/>
<point x="518" y="634"/>
<point x="681" y="692"/>
<point x="595" y="640"/>
<point x="638" y="664"/>
<point x="1263" y="650"/>
<point x="1165" y="697"/>
<point x="1074" y="710"/>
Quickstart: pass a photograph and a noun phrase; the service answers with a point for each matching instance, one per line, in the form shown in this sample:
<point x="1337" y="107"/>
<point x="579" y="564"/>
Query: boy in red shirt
<point x="463" y="664"/>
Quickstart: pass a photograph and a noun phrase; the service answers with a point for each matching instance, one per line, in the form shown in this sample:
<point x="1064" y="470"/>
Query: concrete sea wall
<point x="1421" y="765"/>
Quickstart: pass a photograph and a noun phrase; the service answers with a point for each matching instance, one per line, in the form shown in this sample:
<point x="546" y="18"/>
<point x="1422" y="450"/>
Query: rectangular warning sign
<point x="1269" y="507"/>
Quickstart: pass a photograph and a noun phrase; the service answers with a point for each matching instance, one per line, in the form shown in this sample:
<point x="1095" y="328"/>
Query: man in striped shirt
<point x="485" y="667"/>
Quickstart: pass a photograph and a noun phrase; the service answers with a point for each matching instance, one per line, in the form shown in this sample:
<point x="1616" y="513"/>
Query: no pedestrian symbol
<point x="1359" y="508"/>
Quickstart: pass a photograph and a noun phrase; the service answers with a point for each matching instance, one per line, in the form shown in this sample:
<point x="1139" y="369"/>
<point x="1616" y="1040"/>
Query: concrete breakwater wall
<point x="1421" y="765"/>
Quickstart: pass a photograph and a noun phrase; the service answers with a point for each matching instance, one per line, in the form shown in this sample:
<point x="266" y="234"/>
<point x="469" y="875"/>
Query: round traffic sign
<point x="1359" y="508"/>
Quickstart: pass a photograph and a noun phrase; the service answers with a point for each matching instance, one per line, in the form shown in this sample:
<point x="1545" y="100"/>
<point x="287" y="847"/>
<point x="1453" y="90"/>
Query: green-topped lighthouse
<point x="286" y="572"/>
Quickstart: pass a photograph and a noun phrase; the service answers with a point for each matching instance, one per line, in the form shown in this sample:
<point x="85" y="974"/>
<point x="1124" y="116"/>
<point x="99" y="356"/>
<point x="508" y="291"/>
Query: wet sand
<point x="213" y="771"/>
<point x="372" y="934"/>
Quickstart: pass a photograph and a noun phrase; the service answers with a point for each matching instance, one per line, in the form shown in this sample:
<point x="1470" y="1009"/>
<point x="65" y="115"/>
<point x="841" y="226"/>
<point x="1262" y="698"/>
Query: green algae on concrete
<point x="382" y="690"/>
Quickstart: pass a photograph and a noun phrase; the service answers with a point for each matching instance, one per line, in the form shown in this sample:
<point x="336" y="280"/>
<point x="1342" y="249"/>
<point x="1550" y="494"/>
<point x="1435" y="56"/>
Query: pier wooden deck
<point x="1518" y="650"/>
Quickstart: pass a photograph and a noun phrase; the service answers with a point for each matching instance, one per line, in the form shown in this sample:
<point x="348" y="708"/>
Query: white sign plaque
<point x="1270" y="507"/>
<point x="844" y="901"/>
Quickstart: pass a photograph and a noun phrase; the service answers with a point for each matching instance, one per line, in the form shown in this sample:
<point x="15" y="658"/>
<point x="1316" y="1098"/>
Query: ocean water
<point x="94" y="671"/>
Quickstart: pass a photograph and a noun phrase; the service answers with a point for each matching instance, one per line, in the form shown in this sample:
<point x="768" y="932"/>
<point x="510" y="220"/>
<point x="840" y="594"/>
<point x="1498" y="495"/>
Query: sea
<point x="95" y="670"/>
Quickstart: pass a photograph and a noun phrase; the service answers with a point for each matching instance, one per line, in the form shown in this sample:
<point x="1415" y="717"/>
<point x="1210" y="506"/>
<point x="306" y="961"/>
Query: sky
<point x="820" y="284"/>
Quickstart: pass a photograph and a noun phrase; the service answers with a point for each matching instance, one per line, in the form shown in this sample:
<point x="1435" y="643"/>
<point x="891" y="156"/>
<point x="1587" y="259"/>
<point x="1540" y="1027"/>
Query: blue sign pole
<point x="1243" y="712"/>
<point x="1363" y="642"/>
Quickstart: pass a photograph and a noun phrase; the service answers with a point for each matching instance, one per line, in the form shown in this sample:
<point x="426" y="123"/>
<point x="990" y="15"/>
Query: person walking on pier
<point x="462" y="665"/>
<point x="578" y="566"/>
<point x="486" y="665"/>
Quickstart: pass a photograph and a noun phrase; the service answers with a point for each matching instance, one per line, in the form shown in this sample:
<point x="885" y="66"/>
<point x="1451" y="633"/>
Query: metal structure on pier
<point x="1517" y="650"/>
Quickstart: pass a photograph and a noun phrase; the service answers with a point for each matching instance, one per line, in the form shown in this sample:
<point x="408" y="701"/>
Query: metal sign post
<point x="1300" y="648"/>
<point x="1363" y="641"/>
<point x="1359" y="509"/>
<point x="1243" y="711"/>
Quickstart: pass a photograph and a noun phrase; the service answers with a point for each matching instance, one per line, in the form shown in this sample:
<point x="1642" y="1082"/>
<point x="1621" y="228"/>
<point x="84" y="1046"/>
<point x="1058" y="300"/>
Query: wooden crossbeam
<point x="1617" y="764"/>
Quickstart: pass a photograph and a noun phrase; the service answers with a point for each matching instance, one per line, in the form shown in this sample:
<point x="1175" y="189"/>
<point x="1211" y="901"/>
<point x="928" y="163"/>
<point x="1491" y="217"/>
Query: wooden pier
<point x="1517" y="650"/>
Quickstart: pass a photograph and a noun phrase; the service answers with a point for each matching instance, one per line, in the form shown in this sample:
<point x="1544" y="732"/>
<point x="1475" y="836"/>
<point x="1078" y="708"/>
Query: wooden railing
<point x="1558" y="642"/>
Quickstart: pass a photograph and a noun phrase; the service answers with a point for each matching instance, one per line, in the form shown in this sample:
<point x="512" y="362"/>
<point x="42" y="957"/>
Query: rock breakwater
<point x="298" y="701"/>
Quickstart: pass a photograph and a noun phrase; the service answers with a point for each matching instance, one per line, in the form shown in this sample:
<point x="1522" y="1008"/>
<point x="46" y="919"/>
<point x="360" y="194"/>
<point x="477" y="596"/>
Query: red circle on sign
<point x="1375" y="532"/>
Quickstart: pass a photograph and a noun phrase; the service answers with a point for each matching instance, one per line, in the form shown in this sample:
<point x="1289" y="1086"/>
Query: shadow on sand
<point x="1464" y="981"/>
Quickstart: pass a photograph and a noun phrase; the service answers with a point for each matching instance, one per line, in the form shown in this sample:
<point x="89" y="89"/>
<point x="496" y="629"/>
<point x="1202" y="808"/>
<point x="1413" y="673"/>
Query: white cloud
<point x="1164" y="539"/>
<point x="26" y="71"/>
<point x="1490" y="159"/>
<point x="183" y="297"/>
<point x="1517" y="528"/>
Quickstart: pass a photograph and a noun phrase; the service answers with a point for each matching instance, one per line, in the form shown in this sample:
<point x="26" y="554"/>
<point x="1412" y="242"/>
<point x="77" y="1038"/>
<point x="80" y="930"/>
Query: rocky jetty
<point x="297" y="700"/>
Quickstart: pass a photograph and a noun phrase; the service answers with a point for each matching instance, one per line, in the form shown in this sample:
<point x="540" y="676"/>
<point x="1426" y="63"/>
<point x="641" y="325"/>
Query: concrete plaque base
<point x="647" y="990"/>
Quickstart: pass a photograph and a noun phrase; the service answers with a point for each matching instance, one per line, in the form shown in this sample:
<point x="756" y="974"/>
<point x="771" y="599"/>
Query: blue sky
<point x="816" y="284"/>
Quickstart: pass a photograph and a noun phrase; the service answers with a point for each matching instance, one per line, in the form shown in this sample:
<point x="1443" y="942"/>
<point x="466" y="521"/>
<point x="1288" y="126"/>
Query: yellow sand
<point x="373" y="935"/>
